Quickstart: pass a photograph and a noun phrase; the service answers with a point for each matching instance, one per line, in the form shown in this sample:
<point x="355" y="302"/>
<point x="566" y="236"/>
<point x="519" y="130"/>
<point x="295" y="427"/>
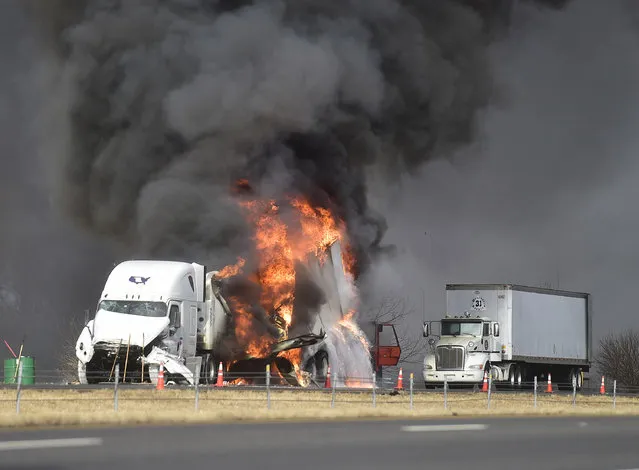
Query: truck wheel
<point x="576" y="376"/>
<point x="321" y="366"/>
<point x="512" y="376"/>
<point x="519" y="377"/>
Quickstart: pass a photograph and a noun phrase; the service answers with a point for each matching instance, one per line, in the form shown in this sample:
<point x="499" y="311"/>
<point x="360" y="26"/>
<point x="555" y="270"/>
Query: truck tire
<point x="520" y="377"/>
<point x="321" y="367"/>
<point x="512" y="377"/>
<point x="577" y="376"/>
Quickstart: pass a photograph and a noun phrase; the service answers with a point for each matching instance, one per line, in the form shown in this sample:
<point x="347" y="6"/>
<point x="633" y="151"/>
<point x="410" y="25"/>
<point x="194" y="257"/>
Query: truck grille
<point x="450" y="358"/>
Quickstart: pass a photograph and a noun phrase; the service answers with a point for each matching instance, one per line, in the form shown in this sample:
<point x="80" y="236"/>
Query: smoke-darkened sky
<point x="49" y="272"/>
<point x="546" y="196"/>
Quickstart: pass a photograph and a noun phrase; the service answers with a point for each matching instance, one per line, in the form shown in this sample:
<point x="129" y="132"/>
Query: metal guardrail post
<point x="446" y="393"/>
<point x="115" y="392"/>
<point x="535" y="392"/>
<point x="333" y="391"/>
<point x="490" y="389"/>
<point x="574" y="390"/>
<point x="614" y="394"/>
<point x="197" y="390"/>
<point x="411" y="390"/>
<point x="374" y="390"/>
<point x="19" y="388"/>
<point x="268" y="386"/>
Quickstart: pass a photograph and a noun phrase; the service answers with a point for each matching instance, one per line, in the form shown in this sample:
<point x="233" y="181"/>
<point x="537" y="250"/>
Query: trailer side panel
<point x="550" y="326"/>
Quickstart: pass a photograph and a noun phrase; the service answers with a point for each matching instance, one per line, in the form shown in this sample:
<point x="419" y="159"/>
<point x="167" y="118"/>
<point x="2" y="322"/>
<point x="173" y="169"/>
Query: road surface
<point x="522" y="444"/>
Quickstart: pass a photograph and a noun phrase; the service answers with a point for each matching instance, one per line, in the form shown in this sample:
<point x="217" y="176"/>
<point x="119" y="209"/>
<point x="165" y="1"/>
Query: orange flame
<point x="231" y="270"/>
<point x="284" y="235"/>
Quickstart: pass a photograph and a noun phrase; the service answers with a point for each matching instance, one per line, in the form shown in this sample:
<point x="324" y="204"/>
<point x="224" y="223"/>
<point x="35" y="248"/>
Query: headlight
<point x="471" y="344"/>
<point x="428" y="366"/>
<point x="476" y="366"/>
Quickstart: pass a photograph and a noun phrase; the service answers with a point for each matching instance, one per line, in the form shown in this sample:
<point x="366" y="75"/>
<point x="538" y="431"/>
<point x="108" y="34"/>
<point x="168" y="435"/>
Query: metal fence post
<point x="374" y="390"/>
<point x="115" y="392"/>
<point x="574" y="390"/>
<point x="19" y="387"/>
<point x="445" y="393"/>
<point x="490" y="388"/>
<point x="411" y="390"/>
<point x="333" y="391"/>
<point x="535" y="391"/>
<point x="197" y="390"/>
<point x="268" y="386"/>
<point x="614" y="394"/>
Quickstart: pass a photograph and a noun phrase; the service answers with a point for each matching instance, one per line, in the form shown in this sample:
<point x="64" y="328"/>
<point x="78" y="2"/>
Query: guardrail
<point x="268" y="389"/>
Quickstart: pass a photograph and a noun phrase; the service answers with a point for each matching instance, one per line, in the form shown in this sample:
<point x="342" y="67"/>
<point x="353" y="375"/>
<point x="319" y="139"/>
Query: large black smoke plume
<point x="154" y="108"/>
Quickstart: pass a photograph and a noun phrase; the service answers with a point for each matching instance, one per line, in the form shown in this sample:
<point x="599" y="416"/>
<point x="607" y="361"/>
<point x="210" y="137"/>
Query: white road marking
<point x="444" y="427"/>
<point x="50" y="443"/>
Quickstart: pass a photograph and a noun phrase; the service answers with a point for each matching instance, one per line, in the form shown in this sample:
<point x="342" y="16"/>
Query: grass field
<point x="95" y="407"/>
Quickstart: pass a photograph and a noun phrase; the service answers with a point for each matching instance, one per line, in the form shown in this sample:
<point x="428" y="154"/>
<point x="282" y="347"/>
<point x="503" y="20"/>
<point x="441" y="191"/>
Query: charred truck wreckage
<point x="189" y="320"/>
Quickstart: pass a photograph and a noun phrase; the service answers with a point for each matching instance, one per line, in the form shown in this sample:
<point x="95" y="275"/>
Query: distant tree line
<point x="618" y="358"/>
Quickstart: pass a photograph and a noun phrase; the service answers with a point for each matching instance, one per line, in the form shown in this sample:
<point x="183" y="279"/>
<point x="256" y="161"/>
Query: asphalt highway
<point x="522" y="444"/>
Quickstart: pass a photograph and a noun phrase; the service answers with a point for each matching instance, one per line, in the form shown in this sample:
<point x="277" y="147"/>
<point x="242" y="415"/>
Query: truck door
<point x="189" y="328"/>
<point x="490" y="343"/>
<point x="175" y="328"/>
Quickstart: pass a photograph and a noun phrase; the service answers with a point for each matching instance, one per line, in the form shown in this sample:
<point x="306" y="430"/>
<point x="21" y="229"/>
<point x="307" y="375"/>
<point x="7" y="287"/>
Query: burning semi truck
<point x="190" y="320"/>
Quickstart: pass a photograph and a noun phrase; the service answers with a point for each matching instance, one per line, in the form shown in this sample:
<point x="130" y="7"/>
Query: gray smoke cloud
<point x="544" y="196"/>
<point x="153" y="109"/>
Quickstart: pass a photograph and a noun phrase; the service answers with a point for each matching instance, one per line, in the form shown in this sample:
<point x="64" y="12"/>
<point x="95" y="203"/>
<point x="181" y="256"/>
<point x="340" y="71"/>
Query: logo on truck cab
<point x="139" y="279"/>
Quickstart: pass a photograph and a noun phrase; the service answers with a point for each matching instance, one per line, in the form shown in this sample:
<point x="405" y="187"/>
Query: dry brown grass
<point x="95" y="407"/>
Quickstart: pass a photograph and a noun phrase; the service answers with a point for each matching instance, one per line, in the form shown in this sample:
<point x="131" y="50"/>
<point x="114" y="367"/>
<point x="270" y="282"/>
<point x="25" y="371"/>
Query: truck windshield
<point x="455" y="328"/>
<point x="135" y="307"/>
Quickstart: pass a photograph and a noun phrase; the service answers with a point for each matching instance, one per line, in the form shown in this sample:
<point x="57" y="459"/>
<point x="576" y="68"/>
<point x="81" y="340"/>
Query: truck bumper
<point x="453" y="376"/>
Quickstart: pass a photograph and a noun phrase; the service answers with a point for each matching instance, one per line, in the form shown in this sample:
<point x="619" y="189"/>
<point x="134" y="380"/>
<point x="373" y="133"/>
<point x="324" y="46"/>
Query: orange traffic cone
<point x="160" y="384"/>
<point x="549" y="385"/>
<point x="484" y="387"/>
<point x="220" y="377"/>
<point x="602" y="387"/>
<point x="400" y="381"/>
<point x="327" y="384"/>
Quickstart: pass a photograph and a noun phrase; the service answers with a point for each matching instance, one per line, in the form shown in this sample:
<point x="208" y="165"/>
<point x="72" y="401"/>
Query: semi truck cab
<point x="462" y="351"/>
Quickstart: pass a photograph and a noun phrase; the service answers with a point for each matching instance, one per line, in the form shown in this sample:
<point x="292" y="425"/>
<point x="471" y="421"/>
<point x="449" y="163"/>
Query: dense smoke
<point x="154" y="109"/>
<point x="544" y="197"/>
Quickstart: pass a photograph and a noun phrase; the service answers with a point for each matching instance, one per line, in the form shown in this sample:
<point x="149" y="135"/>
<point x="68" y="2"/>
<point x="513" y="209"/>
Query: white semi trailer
<point x="513" y="332"/>
<point x="174" y="313"/>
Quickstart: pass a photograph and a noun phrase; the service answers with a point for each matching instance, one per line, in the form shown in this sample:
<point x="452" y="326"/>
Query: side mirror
<point x="496" y="329"/>
<point x="380" y="328"/>
<point x="426" y="330"/>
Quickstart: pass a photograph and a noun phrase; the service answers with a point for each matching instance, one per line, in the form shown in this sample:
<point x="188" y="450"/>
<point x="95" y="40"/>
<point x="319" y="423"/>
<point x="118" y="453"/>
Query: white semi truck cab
<point x="466" y="347"/>
<point x="512" y="332"/>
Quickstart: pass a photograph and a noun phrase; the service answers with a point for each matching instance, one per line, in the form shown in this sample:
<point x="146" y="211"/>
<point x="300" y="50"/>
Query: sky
<point x="543" y="196"/>
<point x="546" y="196"/>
